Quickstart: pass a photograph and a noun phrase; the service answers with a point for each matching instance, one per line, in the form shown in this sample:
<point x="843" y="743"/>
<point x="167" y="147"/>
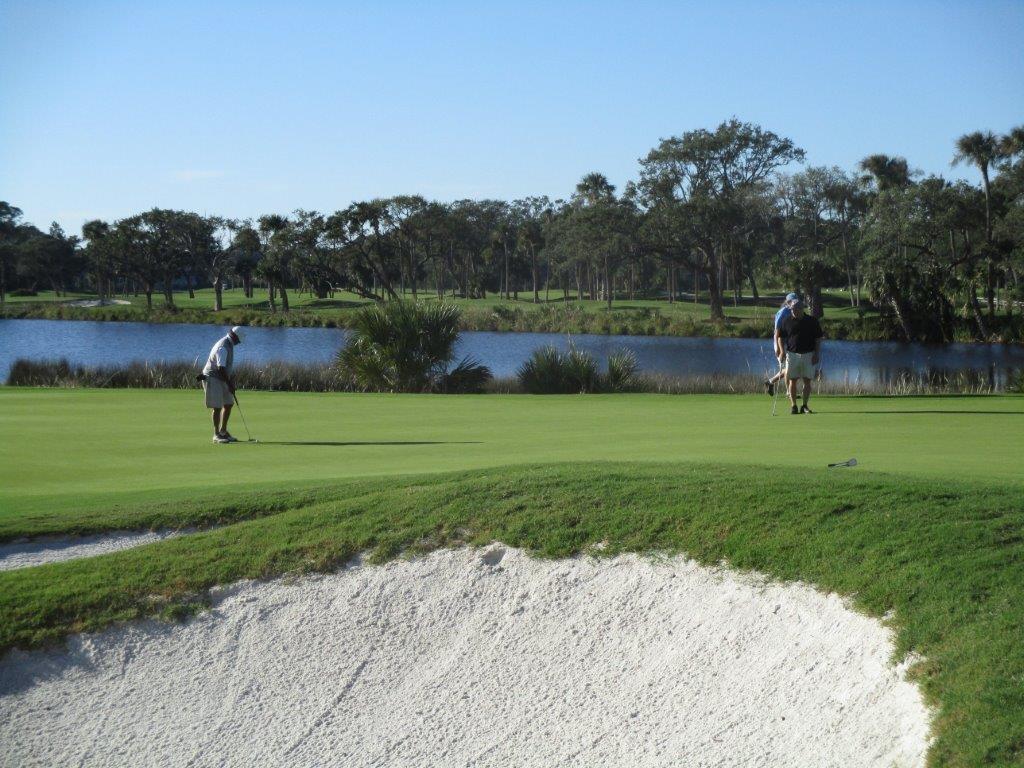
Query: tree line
<point x="712" y="214"/>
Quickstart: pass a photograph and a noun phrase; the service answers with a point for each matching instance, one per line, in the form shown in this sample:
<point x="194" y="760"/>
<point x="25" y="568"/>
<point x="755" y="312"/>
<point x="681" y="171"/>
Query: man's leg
<point x="807" y="390"/>
<point x="216" y="421"/>
<point x="225" y="415"/>
<point x="791" y="388"/>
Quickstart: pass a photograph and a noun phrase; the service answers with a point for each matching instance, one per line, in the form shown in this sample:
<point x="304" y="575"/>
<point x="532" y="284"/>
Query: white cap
<point x="237" y="330"/>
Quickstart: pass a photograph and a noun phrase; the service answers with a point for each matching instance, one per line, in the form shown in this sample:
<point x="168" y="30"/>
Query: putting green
<point x="74" y="449"/>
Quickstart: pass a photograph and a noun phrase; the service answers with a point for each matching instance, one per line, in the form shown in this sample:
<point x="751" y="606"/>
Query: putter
<point x="238" y="405"/>
<point x="847" y="463"/>
<point x="775" y="397"/>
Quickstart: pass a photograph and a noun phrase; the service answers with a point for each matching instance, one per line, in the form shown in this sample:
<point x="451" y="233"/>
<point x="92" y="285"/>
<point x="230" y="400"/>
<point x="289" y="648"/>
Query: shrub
<point x="580" y="372"/>
<point x="550" y="372"/>
<point x="408" y="347"/>
<point x="542" y="373"/>
<point x="622" y="368"/>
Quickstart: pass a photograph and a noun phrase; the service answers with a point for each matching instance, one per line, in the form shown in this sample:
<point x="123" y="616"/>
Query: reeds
<point x="323" y="377"/>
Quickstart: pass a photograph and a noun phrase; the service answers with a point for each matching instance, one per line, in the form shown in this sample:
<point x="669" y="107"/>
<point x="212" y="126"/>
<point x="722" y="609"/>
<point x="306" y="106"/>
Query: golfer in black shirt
<point x="801" y="335"/>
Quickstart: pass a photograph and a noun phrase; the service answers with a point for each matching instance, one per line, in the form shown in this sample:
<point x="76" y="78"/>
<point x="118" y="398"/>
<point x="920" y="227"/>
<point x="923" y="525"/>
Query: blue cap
<point x="792" y="297"/>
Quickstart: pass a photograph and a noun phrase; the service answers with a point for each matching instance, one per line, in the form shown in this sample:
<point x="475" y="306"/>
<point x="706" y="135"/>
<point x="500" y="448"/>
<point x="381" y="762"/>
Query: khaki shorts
<point x="217" y="393"/>
<point x="799" y="366"/>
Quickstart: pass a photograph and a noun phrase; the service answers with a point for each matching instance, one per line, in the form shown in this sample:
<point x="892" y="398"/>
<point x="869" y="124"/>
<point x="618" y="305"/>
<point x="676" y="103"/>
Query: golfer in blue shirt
<point x="785" y="312"/>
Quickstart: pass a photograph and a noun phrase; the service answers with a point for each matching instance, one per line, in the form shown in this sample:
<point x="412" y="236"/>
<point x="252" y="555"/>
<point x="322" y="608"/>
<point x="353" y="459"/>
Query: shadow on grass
<point x="962" y="413"/>
<point x="370" y="442"/>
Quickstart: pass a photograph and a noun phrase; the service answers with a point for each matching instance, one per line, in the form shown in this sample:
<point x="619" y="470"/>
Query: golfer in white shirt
<point x="219" y="383"/>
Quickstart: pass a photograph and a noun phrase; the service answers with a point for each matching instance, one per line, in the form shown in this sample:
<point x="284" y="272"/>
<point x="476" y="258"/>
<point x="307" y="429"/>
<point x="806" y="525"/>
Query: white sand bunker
<point x="97" y="302"/>
<point x="478" y="658"/>
<point x="55" y="549"/>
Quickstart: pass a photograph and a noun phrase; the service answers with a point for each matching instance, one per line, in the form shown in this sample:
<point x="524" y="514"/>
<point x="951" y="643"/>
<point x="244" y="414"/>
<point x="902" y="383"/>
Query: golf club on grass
<point x="238" y="405"/>
<point x="847" y="463"/>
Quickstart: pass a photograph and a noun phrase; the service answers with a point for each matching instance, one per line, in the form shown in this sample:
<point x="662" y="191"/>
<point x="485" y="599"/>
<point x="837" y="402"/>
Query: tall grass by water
<point x="323" y="377"/>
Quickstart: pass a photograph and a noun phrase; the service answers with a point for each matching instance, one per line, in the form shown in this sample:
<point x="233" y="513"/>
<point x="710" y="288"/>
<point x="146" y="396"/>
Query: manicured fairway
<point x="64" y="450"/>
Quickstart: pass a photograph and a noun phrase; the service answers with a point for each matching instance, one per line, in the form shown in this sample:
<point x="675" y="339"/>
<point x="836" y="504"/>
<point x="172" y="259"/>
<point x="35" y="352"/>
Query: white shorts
<point x="217" y="393"/>
<point x="799" y="366"/>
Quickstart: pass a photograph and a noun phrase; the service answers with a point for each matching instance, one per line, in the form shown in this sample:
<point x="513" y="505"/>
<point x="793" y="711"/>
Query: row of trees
<point x="712" y="212"/>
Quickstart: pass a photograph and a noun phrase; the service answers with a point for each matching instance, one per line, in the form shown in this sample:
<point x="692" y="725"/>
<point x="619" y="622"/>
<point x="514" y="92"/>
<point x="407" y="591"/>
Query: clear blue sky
<point x="107" y="109"/>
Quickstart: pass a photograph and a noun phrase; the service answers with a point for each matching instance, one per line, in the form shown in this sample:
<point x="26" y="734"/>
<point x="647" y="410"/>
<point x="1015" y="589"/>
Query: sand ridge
<point x="56" y="549"/>
<point x="479" y="658"/>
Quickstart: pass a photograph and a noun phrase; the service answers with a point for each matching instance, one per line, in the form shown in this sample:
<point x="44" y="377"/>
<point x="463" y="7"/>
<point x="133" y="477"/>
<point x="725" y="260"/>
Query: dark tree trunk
<point x="715" y="293"/>
<point x="547" y="280"/>
<point x="608" y="280"/>
<point x="507" y="293"/>
<point x="979" y="318"/>
<point x="284" y="298"/>
<point x="271" y="296"/>
<point x="218" y="294"/>
<point x="817" y="310"/>
<point x="536" y="276"/>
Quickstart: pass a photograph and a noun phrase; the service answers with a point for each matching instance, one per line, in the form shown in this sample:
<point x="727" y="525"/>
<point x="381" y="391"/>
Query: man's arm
<point x="222" y="371"/>
<point x="816" y="358"/>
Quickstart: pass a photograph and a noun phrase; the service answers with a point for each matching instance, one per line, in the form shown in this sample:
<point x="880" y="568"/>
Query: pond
<point x="94" y="343"/>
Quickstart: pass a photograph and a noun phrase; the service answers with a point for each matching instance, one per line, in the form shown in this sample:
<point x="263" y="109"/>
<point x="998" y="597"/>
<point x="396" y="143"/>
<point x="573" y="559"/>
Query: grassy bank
<point x="944" y="560"/>
<point x="641" y="317"/>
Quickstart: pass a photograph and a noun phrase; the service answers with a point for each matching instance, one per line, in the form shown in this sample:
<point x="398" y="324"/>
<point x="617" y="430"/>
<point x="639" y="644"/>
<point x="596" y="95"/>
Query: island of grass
<point x="927" y="531"/>
<point x="745" y="317"/>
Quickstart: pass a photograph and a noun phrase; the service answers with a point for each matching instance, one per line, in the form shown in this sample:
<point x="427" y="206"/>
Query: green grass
<point x="82" y="449"/>
<point x="836" y="300"/>
<point x="929" y="528"/>
<point x="641" y="316"/>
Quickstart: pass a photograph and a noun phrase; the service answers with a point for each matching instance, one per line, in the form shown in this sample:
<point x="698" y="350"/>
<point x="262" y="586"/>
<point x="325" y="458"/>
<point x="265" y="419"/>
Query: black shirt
<point x="800" y="335"/>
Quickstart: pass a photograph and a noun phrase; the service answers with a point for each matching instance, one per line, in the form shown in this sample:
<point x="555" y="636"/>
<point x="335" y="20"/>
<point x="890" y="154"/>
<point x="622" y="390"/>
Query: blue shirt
<point x="782" y="316"/>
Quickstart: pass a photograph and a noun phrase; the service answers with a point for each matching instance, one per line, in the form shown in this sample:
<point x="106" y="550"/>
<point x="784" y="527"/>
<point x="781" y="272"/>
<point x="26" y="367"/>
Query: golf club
<point x="238" y="405"/>
<point x="847" y="463"/>
<point x="775" y="393"/>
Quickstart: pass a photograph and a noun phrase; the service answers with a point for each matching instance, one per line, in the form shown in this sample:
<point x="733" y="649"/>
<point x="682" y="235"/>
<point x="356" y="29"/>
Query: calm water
<point x="870" y="362"/>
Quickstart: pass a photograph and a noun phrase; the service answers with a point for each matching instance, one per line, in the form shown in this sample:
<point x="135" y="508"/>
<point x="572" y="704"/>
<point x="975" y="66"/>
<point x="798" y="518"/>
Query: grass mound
<point x="947" y="562"/>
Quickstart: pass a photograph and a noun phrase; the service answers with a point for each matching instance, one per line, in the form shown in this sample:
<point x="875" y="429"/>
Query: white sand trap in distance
<point x="24" y="554"/>
<point x="478" y="658"/>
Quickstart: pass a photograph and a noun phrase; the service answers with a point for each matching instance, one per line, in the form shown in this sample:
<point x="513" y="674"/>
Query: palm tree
<point x="1012" y="143"/>
<point x="887" y="172"/>
<point x="982" y="149"/>
<point x="405" y="346"/>
<point x="594" y="188"/>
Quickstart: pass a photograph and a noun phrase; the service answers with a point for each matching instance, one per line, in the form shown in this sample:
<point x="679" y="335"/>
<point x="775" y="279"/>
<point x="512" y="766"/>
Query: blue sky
<point x="239" y="109"/>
